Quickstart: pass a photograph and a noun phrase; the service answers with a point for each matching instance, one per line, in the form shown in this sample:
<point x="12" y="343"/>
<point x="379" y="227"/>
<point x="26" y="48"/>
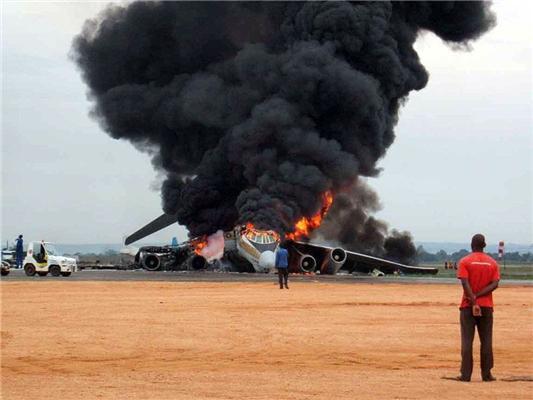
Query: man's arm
<point x="488" y="289"/>
<point x="468" y="291"/>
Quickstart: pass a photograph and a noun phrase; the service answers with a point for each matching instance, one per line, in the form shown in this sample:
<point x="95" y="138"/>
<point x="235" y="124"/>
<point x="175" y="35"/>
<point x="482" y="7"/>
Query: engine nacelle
<point x="301" y="263"/>
<point x="333" y="261"/>
<point x="151" y="262"/>
<point x="197" y="262"/>
<point x="307" y="263"/>
<point x="156" y="258"/>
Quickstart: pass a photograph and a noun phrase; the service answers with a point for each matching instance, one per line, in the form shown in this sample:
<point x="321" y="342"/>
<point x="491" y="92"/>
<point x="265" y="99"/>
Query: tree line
<point x="424" y="256"/>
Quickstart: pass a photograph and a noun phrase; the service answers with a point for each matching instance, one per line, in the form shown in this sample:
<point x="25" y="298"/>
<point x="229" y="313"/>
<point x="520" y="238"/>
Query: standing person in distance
<point x="282" y="265"/>
<point x="19" y="252"/>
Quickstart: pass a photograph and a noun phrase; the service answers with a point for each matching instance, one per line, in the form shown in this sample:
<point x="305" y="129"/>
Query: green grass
<point x="510" y="271"/>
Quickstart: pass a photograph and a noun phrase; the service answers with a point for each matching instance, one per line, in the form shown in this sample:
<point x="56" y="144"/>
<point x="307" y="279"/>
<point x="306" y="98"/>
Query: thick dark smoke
<point x="351" y="224"/>
<point x="254" y="110"/>
<point x="399" y="246"/>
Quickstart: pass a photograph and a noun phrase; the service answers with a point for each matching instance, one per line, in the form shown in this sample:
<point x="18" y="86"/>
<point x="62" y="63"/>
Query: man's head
<point x="478" y="242"/>
<point x="20" y="236"/>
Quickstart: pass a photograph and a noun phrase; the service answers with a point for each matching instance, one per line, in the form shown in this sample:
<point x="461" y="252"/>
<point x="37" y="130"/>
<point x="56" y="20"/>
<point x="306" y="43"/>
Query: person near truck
<point x="479" y="275"/>
<point x="19" y="251"/>
<point x="282" y="265"/>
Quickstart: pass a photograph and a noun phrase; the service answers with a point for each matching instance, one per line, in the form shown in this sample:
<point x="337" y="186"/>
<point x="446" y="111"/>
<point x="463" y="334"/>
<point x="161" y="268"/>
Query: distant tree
<point x="441" y="255"/>
<point x="527" y="257"/>
<point x="515" y="257"/>
<point x="459" y="254"/>
<point x="423" y="256"/>
<point x="110" y="252"/>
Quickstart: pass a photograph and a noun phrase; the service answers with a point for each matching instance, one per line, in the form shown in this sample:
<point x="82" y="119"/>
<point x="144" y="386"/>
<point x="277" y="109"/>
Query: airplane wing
<point x="367" y="263"/>
<point x="156" y="225"/>
<point x="331" y="259"/>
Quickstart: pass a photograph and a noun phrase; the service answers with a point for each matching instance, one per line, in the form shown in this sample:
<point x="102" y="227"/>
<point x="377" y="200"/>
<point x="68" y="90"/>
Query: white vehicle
<point x="5" y="268"/>
<point x="42" y="258"/>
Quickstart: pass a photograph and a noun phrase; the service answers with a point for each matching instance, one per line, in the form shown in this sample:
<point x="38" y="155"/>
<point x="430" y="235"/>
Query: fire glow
<point x="200" y="245"/>
<point x="249" y="228"/>
<point x="306" y="225"/>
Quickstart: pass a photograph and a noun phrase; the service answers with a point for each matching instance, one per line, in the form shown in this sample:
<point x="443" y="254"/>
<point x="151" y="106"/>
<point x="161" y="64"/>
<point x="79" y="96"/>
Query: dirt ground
<point x="174" y="340"/>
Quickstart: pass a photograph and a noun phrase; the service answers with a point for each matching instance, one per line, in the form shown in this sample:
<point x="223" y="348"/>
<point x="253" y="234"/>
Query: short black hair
<point x="478" y="242"/>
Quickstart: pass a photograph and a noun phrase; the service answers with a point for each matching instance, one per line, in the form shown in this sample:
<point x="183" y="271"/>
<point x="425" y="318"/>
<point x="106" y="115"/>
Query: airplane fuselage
<point x="256" y="246"/>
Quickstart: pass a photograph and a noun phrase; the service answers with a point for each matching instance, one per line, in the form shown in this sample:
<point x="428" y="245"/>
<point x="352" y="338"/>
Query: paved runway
<point x="210" y="276"/>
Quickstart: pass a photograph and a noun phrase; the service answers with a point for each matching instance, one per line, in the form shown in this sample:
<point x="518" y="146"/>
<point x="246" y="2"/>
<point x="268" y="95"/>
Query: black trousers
<point x="283" y="276"/>
<point x="484" y="330"/>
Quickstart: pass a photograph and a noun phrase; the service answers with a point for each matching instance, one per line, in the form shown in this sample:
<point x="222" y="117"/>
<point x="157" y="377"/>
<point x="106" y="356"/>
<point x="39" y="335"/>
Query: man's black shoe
<point x="286" y="287"/>
<point x="489" y="378"/>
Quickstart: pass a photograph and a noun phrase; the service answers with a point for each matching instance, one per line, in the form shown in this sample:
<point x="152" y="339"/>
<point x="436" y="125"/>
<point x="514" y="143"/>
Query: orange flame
<point x="305" y="225"/>
<point x="199" y="244"/>
<point x="250" y="228"/>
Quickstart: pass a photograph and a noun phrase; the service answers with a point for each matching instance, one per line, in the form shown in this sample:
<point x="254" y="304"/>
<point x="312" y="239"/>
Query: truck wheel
<point x="29" y="269"/>
<point x="65" y="273"/>
<point x="42" y="273"/>
<point x="55" y="270"/>
<point x="5" y="272"/>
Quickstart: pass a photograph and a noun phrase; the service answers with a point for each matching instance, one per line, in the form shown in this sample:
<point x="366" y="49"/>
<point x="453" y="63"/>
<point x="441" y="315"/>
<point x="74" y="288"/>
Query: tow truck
<point x="43" y="258"/>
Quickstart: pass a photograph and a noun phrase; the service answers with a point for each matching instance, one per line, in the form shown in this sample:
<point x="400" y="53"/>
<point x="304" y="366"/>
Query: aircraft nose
<point x="267" y="259"/>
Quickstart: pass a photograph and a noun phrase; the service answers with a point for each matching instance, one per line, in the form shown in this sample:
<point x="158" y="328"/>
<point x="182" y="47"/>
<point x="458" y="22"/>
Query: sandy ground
<point x="172" y="340"/>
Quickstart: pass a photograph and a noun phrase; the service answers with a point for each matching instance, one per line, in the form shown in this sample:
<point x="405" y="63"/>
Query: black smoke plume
<point x="253" y="110"/>
<point x="351" y="225"/>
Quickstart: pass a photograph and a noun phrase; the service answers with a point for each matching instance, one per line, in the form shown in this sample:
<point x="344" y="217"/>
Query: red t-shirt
<point x="480" y="270"/>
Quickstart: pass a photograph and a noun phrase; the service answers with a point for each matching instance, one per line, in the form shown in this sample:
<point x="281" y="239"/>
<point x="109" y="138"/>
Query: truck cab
<point x="43" y="258"/>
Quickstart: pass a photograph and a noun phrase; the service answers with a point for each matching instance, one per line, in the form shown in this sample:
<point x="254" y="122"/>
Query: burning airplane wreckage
<point x="265" y="119"/>
<point x="247" y="249"/>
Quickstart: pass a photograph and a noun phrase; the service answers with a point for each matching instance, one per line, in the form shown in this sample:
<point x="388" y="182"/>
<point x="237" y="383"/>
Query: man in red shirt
<point x="479" y="275"/>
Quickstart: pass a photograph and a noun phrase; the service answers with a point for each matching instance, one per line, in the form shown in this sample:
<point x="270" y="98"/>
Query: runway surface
<point x="211" y="276"/>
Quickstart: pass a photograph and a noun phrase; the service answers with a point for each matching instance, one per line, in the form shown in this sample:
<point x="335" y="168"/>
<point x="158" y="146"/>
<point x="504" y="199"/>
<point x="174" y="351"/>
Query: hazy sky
<point x="462" y="162"/>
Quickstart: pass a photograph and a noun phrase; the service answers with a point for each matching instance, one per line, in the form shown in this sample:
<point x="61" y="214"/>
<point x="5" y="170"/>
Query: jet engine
<point x="151" y="262"/>
<point x="301" y="262"/>
<point x="156" y="258"/>
<point x="197" y="262"/>
<point x="333" y="261"/>
<point x="150" y="257"/>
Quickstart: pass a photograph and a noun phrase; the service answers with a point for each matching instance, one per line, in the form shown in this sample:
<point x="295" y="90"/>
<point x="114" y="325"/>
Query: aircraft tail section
<point x="157" y="224"/>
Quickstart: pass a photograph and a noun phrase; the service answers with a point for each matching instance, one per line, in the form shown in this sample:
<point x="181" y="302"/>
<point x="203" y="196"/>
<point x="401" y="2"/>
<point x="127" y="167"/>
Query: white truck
<point x="5" y="268"/>
<point x="42" y="258"/>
